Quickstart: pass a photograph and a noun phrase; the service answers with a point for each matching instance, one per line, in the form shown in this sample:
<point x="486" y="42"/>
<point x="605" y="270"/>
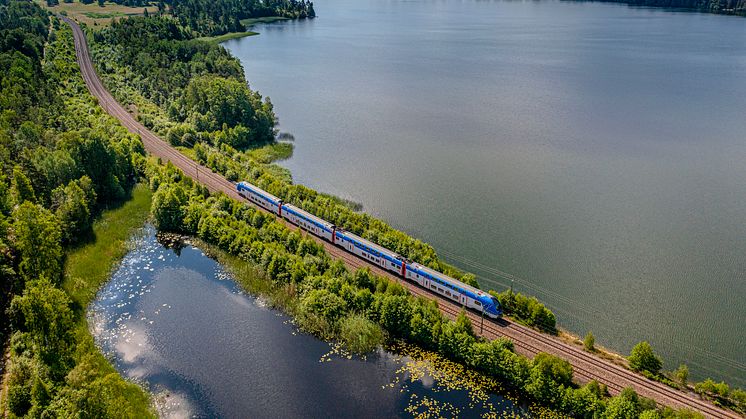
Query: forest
<point x="728" y="7"/>
<point x="210" y="17"/>
<point x="62" y="162"/>
<point x="216" y="17"/>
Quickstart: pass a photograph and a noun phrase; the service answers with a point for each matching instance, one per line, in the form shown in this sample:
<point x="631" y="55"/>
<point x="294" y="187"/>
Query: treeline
<point x="130" y="3"/>
<point x="527" y="310"/>
<point x="643" y="360"/>
<point x="61" y="163"/>
<point x="216" y="17"/>
<point x="729" y="7"/>
<point x="362" y="309"/>
<point x="199" y="85"/>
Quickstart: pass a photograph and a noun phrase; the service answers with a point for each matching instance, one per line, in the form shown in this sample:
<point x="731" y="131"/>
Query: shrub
<point x="589" y="342"/>
<point x="643" y="359"/>
<point x="527" y="310"/>
<point x="359" y="334"/>
<point x="682" y="375"/>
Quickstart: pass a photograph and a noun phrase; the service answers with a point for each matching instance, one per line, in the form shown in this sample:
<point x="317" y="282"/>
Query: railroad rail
<point x="527" y="341"/>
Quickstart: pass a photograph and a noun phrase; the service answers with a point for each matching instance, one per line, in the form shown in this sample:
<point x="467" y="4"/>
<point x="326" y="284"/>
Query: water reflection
<point x="173" y="319"/>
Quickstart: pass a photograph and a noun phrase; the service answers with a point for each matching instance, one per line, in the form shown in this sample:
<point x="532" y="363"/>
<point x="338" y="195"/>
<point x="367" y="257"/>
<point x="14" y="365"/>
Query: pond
<point x="174" y="319"/>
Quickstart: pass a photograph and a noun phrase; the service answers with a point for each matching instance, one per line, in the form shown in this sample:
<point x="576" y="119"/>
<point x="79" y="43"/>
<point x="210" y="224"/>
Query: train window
<point x="477" y="303"/>
<point x="433" y="286"/>
<point x="448" y="293"/>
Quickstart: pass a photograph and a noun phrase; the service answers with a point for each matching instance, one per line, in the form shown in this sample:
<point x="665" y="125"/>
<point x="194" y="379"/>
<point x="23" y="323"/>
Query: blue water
<point x="596" y="152"/>
<point x="174" y="320"/>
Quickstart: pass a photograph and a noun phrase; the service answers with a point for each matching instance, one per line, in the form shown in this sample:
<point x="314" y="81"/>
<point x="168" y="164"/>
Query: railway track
<point x="527" y="341"/>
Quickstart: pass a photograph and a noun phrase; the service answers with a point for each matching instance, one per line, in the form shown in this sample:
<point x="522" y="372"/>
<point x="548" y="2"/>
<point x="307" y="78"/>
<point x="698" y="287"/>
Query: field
<point x="93" y="14"/>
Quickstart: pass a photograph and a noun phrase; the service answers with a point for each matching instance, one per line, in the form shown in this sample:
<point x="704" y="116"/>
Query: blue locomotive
<point x="450" y="288"/>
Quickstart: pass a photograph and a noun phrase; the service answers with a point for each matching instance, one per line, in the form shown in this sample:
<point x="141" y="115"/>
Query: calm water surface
<point x="595" y="152"/>
<point x="176" y="321"/>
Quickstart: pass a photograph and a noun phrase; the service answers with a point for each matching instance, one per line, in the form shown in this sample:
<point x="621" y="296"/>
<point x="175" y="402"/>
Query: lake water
<point x="174" y="319"/>
<point x="594" y="152"/>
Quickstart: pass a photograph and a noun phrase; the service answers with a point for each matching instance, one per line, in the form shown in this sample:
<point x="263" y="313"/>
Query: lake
<point x="174" y="320"/>
<point x="594" y="153"/>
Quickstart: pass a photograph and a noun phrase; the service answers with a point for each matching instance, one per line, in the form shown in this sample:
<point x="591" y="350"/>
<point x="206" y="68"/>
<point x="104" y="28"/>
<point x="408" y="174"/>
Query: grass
<point x="228" y="36"/>
<point x="361" y="335"/>
<point x="95" y="15"/>
<point x="253" y="279"/>
<point x="598" y="350"/>
<point x="88" y="267"/>
<point x="272" y="152"/>
<point x="189" y="152"/>
<point x="247" y="23"/>
<point x="267" y="19"/>
<point x="98" y="15"/>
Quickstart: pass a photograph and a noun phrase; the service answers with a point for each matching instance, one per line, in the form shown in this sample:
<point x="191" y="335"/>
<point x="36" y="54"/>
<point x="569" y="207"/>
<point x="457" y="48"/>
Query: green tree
<point x="71" y="209"/>
<point x="396" y="315"/>
<point x="21" y="188"/>
<point x="557" y="369"/>
<point x="589" y="342"/>
<point x="100" y="161"/>
<point x="623" y="406"/>
<point x="37" y="238"/>
<point x="642" y="358"/>
<point x="650" y="414"/>
<point x="168" y="207"/>
<point x="470" y="279"/>
<point x="5" y="204"/>
<point x="682" y="375"/>
<point x="325" y="303"/>
<point x="229" y="106"/>
<point x="456" y="340"/>
<point x="44" y="312"/>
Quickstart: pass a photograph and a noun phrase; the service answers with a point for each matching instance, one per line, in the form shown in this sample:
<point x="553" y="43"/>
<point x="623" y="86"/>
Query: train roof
<point x="259" y="190"/>
<point x="308" y="215"/>
<point x="370" y="244"/>
<point x="445" y="277"/>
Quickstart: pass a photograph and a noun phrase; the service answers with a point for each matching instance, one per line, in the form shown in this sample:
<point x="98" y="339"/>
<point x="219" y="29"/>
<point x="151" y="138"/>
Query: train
<point x="437" y="282"/>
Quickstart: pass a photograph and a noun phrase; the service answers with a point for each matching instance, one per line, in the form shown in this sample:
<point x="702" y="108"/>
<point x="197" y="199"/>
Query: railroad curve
<point x="527" y="341"/>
